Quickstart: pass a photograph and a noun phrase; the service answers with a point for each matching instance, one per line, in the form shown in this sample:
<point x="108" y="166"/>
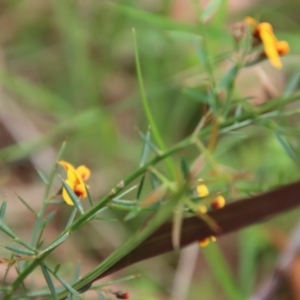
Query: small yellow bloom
<point x="202" y="209"/>
<point x="251" y="22"/>
<point x="75" y="180"/>
<point x="82" y="170"/>
<point x="218" y="202"/>
<point x="202" y="189"/>
<point x="282" y="47"/>
<point x="269" y="40"/>
<point x="204" y="242"/>
<point x="213" y="239"/>
<point x="273" y="48"/>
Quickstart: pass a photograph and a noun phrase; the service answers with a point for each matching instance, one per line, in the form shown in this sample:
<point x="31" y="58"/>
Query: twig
<point x="232" y="217"/>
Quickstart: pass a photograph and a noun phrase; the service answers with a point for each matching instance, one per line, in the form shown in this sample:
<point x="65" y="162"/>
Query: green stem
<point x="147" y="109"/>
<point x="270" y="109"/>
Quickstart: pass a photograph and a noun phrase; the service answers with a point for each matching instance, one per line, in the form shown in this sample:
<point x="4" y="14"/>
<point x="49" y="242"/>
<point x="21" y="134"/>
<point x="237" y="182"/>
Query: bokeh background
<point x="67" y="72"/>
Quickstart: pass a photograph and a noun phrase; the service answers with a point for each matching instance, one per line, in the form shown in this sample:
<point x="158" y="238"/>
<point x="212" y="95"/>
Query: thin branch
<point x="232" y="217"/>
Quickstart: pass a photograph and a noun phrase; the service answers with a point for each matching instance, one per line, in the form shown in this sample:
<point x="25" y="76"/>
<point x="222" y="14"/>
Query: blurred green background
<point x="67" y="72"/>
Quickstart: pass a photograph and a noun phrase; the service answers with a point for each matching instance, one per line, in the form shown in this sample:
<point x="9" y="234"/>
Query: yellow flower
<point x="202" y="209"/>
<point x="251" y="22"/>
<point x="202" y="189"/>
<point x="282" y="47"/>
<point x="217" y="203"/>
<point x="203" y="243"/>
<point x="273" y="49"/>
<point x="75" y="180"/>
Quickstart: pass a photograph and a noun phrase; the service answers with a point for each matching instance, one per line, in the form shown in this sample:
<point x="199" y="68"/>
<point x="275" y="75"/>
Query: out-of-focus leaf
<point x="210" y="9"/>
<point x="2" y="211"/>
<point x="49" y="282"/>
<point x="292" y="85"/>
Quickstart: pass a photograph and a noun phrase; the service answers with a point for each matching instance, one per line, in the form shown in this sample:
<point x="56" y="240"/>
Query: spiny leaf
<point x="292" y="85"/>
<point x="140" y="188"/>
<point x="57" y="242"/>
<point x="210" y="9"/>
<point x="66" y="285"/>
<point x="73" y="197"/>
<point x="19" y="251"/>
<point x="26" y="205"/>
<point x="49" y="282"/>
<point x="146" y="149"/>
<point x="2" y="211"/>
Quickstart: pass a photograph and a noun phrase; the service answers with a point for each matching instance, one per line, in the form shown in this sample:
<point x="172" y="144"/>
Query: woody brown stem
<point x="232" y="217"/>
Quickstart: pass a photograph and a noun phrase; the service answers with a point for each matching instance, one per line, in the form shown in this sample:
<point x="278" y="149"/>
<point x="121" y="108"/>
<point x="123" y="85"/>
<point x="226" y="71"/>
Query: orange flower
<point x="218" y="202"/>
<point x="203" y="243"/>
<point x="75" y="180"/>
<point x="273" y="49"/>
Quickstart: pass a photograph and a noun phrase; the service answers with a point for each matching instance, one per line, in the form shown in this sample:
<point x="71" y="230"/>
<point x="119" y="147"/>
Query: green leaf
<point x="72" y="217"/>
<point x="76" y="274"/>
<point x="132" y="214"/>
<point x="89" y="196"/>
<point x="24" y="244"/>
<point x="20" y="251"/>
<point x="7" y="231"/>
<point x="227" y="81"/>
<point x="156" y="134"/>
<point x="146" y="149"/>
<point x="185" y="169"/>
<point x="57" y="242"/>
<point x="288" y="148"/>
<point x="154" y="181"/>
<point x="53" y="171"/>
<point x="41" y="224"/>
<point x="73" y="196"/>
<point x="42" y="176"/>
<point x="85" y="288"/>
<point x="202" y="54"/>
<point x="140" y="188"/>
<point x="80" y="120"/>
<point x="56" y="268"/>
<point x="210" y="9"/>
<point x="124" y="202"/>
<point x="155" y="20"/>
<point x="150" y="144"/>
<point x="67" y="286"/>
<point x="185" y="36"/>
<point x="2" y="211"/>
<point x="197" y="95"/>
<point x="26" y="205"/>
<point x="125" y="193"/>
<point x="33" y="93"/>
<point x="292" y="85"/>
<point x="49" y="282"/>
<point x="74" y="33"/>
